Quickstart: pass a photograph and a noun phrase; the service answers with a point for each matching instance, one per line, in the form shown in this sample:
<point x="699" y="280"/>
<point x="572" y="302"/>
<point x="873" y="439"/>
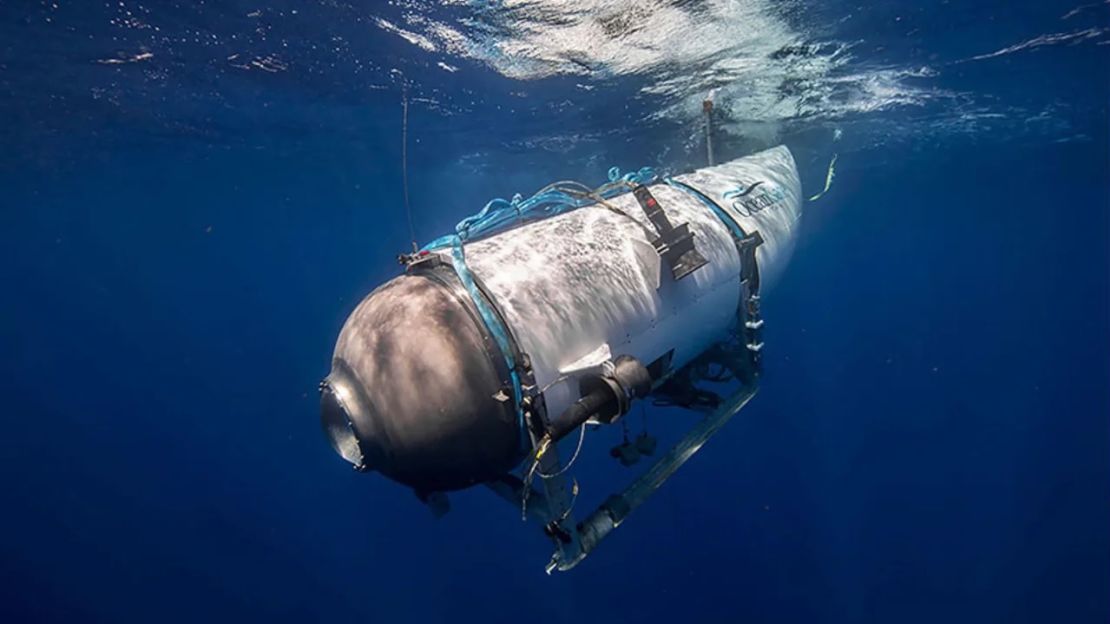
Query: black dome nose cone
<point x="413" y="392"/>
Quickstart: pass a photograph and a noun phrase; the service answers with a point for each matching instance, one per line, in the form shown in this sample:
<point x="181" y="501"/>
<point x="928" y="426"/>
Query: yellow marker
<point x="542" y="448"/>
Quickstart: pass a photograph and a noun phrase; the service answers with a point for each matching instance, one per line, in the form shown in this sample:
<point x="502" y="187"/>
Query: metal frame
<point x="575" y="541"/>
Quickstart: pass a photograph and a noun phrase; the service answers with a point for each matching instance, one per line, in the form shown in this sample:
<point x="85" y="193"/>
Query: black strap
<point x="674" y="244"/>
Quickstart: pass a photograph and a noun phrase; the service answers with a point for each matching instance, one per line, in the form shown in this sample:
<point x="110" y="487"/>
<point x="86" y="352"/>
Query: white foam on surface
<point x="759" y="68"/>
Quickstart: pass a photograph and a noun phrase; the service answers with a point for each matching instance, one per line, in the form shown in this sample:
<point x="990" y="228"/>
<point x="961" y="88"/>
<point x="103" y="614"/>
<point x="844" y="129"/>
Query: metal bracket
<point x="675" y="244"/>
<point x="750" y="320"/>
<point x="419" y="259"/>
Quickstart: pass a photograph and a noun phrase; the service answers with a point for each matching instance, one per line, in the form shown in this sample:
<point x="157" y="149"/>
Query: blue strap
<point x="499" y="215"/>
<point x="493" y="323"/>
<point x="730" y="223"/>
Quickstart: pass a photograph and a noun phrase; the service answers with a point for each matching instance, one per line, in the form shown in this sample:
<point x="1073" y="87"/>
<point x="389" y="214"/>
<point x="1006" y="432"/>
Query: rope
<point x="531" y="475"/>
<point x="534" y="470"/>
<point x="502" y="214"/>
<point x="573" y="458"/>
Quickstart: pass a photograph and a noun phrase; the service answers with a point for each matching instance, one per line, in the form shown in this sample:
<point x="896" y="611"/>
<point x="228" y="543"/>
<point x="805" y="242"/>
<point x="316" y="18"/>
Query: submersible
<point x="540" y="317"/>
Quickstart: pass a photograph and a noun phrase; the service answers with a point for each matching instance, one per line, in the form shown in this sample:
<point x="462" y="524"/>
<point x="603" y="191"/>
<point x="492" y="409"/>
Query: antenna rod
<point x="405" y="161"/>
<point x="707" y="108"/>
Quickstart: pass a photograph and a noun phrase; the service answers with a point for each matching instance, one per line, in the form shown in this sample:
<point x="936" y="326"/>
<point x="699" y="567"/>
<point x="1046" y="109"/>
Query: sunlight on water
<point x="770" y="67"/>
<point x="744" y="52"/>
<point x="608" y="68"/>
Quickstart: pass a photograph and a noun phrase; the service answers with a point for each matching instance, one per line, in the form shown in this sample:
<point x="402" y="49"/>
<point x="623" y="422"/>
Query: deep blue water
<point x="194" y="197"/>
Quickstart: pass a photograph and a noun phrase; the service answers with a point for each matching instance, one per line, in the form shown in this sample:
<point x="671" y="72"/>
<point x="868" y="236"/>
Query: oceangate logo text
<point x="748" y="199"/>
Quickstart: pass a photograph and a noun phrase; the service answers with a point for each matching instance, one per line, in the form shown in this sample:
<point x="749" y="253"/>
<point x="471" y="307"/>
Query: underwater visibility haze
<point x="196" y="196"/>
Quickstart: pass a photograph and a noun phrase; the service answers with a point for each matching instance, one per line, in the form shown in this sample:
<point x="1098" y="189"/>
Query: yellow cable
<point x="828" y="179"/>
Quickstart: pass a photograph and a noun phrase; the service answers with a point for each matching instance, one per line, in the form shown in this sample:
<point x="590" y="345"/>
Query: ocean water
<point x="194" y="195"/>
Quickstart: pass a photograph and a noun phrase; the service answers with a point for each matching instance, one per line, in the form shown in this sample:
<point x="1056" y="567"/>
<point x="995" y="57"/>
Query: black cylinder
<point x="604" y="398"/>
<point x="601" y="402"/>
<point x="418" y="388"/>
